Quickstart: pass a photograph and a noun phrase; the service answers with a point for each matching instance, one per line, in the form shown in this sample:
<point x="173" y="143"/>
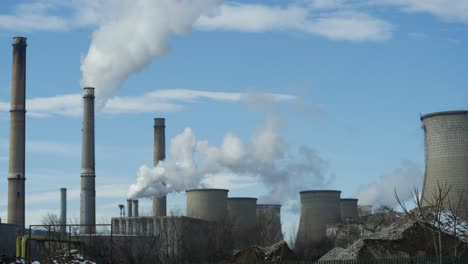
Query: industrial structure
<point x="364" y="209"/>
<point x="63" y="210"/>
<point x="135" y="208"/>
<point x="243" y="214"/>
<point x="88" y="176"/>
<point x="129" y="208"/>
<point x="319" y="208"/>
<point x="16" y="172"/>
<point x="207" y="204"/>
<point x="159" y="148"/>
<point x="446" y="148"/>
<point x="269" y="224"/>
<point x="348" y="209"/>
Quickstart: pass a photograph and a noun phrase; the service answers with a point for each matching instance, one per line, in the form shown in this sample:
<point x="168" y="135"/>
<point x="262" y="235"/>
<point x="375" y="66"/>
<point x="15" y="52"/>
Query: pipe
<point x="159" y="148"/>
<point x="88" y="191"/>
<point x="135" y="208"/>
<point x="63" y="210"/>
<point x="22" y="243"/>
<point x="16" y="176"/>
<point x="18" y="246"/>
<point x="129" y="208"/>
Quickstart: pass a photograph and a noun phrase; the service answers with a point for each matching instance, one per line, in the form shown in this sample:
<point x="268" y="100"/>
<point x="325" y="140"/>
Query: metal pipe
<point x="159" y="148"/>
<point x="88" y="191"/>
<point x="16" y="176"/>
<point x="63" y="210"/>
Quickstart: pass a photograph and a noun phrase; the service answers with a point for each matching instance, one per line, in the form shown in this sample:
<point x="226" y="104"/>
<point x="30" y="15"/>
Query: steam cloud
<point x="264" y="159"/>
<point x="403" y="179"/>
<point x="130" y="35"/>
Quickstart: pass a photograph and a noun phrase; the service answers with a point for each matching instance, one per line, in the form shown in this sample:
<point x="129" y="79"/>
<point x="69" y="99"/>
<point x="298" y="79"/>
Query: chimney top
<point x="19" y="41"/>
<point x="159" y="122"/>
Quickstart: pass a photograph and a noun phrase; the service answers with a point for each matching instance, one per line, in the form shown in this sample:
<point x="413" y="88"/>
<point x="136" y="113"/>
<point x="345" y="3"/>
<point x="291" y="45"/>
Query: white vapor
<point x="235" y="163"/>
<point x="403" y="179"/>
<point x="130" y="35"/>
<point x="169" y="100"/>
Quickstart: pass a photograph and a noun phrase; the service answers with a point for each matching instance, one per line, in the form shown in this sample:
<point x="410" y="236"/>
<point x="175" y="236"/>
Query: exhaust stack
<point x="16" y="177"/>
<point x="159" y="148"/>
<point x="135" y="208"/>
<point x="63" y="210"/>
<point x="88" y="191"/>
<point x="129" y="208"/>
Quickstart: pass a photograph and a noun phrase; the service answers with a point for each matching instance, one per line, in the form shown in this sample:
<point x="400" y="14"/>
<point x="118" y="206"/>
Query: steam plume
<point x="131" y="34"/>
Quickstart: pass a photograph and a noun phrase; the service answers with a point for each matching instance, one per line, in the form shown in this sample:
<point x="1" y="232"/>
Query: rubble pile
<point x="276" y="252"/>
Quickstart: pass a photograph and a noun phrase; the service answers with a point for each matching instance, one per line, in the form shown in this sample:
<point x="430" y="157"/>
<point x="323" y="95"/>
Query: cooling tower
<point x="349" y="209"/>
<point x="88" y="191"/>
<point x="365" y="210"/>
<point x="16" y="176"/>
<point x="207" y="204"/>
<point x="446" y="145"/>
<point x="243" y="215"/>
<point x="318" y="209"/>
<point x="269" y="224"/>
<point x="159" y="148"/>
<point x="129" y="208"/>
<point x="63" y="210"/>
<point x="135" y="208"/>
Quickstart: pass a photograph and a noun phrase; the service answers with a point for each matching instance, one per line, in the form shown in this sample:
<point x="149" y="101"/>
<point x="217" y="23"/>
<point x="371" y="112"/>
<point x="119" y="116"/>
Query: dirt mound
<point x="276" y="252"/>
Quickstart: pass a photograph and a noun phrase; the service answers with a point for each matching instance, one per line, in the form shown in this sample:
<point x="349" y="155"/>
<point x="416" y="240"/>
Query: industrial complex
<point x="213" y="211"/>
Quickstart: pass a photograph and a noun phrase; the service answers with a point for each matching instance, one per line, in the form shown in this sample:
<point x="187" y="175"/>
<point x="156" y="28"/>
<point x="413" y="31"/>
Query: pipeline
<point x="22" y="242"/>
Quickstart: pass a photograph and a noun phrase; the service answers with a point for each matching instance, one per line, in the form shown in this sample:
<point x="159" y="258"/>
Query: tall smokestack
<point x="129" y="208"/>
<point x="159" y="203"/>
<point x="88" y="191"/>
<point x="135" y="208"/>
<point x="16" y="177"/>
<point x="63" y="210"/>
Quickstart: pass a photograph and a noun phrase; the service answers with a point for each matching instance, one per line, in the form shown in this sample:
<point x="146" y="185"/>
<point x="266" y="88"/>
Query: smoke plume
<point x="403" y="179"/>
<point x="131" y="34"/>
<point x="263" y="159"/>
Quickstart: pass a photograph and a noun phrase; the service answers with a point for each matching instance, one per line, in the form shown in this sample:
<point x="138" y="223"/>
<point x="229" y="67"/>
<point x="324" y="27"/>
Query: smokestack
<point x="88" y="191"/>
<point x="129" y="208"/>
<point x="63" y="210"/>
<point x="135" y="208"/>
<point x="159" y="203"/>
<point x="16" y="177"/>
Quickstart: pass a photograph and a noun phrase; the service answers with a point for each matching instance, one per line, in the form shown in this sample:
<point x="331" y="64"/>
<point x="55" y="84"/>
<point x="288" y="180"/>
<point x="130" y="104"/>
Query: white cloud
<point x="448" y="10"/>
<point x="157" y="101"/>
<point x="343" y="25"/>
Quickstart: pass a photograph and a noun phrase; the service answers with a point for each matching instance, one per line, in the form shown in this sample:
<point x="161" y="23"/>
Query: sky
<point x="264" y="98"/>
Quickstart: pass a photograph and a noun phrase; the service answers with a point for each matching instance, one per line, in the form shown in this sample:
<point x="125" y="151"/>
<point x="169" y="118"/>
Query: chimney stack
<point x="129" y="208"/>
<point x="16" y="177"/>
<point x="88" y="191"/>
<point x="159" y="203"/>
<point x="63" y="210"/>
<point x="135" y="208"/>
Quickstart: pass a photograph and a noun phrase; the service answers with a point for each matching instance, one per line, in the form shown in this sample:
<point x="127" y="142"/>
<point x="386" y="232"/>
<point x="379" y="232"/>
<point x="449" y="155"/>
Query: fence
<point x="420" y="260"/>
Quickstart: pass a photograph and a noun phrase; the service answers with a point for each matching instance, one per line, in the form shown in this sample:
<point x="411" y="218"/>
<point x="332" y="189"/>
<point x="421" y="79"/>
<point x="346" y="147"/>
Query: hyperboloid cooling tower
<point x="349" y="209"/>
<point x="207" y="204"/>
<point x="269" y="224"/>
<point x="319" y="208"/>
<point x="446" y="144"/>
<point x="16" y="176"/>
<point x="243" y="214"/>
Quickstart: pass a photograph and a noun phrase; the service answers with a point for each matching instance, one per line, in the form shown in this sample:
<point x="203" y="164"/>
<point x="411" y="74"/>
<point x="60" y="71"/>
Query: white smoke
<point x="131" y="34"/>
<point x="195" y="163"/>
<point x="403" y="179"/>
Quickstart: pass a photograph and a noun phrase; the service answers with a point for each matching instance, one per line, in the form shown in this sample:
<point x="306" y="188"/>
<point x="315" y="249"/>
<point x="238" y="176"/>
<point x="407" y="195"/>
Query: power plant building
<point x="446" y="151"/>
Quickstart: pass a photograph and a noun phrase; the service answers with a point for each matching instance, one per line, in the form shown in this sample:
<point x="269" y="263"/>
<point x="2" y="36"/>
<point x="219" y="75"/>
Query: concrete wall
<point x="207" y="204"/>
<point x="349" y="209"/>
<point x="446" y="142"/>
<point x="8" y="234"/>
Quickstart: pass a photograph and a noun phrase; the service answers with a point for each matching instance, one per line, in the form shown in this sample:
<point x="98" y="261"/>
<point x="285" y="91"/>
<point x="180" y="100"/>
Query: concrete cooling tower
<point x="349" y="209"/>
<point x="319" y="208"/>
<point x="207" y="204"/>
<point x="243" y="214"/>
<point x="446" y="147"/>
<point x="269" y="224"/>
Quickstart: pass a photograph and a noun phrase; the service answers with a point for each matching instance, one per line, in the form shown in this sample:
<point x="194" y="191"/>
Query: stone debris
<point x="276" y="252"/>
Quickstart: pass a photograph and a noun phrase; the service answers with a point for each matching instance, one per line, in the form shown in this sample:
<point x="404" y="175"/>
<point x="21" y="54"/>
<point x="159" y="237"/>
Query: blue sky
<point x="347" y="79"/>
